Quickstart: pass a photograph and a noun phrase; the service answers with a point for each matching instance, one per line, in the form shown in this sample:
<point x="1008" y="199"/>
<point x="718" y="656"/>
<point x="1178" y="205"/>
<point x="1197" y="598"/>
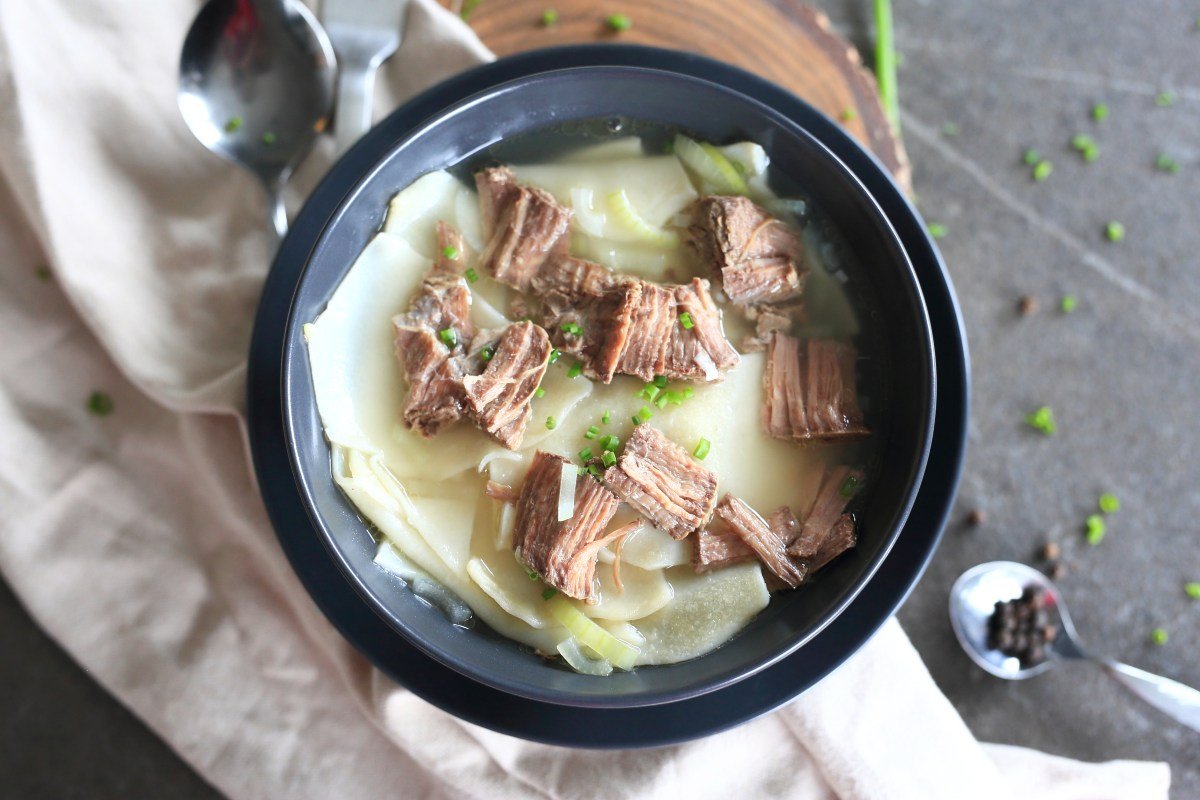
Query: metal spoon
<point x="256" y="86"/>
<point x="973" y="599"/>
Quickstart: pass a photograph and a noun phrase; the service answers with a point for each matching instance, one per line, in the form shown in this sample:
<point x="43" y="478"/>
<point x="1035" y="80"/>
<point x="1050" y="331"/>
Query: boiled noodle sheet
<point x="426" y="495"/>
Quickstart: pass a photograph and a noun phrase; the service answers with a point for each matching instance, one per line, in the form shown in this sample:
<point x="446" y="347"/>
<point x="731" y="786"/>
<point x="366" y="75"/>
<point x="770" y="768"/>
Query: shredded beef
<point x="718" y="546"/>
<point x="499" y="398"/>
<point x="827" y="508"/>
<point x="810" y="393"/>
<point x="757" y="534"/>
<point x="526" y="227"/>
<point x="842" y="538"/>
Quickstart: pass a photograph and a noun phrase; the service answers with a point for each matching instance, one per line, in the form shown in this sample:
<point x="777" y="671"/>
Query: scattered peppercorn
<point x="1057" y="570"/>
<point x="976" y="517"/>
<point x="1021" y="628"/>
<point x="1051" y="551"/>
<point x="1027" y="305"/>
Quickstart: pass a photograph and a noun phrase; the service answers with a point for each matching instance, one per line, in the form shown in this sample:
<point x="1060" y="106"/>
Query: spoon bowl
<point x="256" y="87"/>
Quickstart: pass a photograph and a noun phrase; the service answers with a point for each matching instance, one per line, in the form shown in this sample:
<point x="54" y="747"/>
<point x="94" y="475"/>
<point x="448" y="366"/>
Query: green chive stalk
<point x="885" y="63"/>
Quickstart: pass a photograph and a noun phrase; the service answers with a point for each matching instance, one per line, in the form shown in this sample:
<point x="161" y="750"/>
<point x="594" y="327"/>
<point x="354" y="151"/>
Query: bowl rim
<point x="533" y="690"/>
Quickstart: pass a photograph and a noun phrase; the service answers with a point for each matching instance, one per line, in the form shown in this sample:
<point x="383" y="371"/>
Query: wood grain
<point x="790" y="44"/>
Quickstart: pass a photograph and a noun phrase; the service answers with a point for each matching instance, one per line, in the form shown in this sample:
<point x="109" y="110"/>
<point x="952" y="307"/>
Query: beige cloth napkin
<point x="137" y="539"/>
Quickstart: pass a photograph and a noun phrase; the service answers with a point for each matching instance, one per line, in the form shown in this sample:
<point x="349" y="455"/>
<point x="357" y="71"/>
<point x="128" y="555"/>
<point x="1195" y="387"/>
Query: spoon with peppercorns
<point x="1012" y="621"/>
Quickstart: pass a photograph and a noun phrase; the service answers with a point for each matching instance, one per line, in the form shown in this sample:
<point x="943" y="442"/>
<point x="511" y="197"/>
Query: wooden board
<point x="790" y="44"/>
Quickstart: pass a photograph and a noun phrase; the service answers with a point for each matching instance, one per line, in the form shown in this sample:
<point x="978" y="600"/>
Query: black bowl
<point x="902" y="350"/>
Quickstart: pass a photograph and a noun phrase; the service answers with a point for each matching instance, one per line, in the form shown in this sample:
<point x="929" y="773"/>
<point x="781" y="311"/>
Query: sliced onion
<point x="704" y="362"/>
<point x="635" y="223"/>
<point x="590" y="220"/>
<point x="589" y="634"/>
<point x="566" y="491"/>
<point x="710" y="165"/>
<point x="444" y="600"/>
<point x="508" y="520"/>
<point x="573" y="654"/>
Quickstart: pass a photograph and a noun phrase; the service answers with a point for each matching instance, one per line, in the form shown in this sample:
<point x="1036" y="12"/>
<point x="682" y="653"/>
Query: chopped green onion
<point x="585" y="454"/>
<point x="673" y="397"/>
<point x="688" y="392"/>
<point x="702" y="448"/>
<point x="539" y="392"/>
<point x="268" y="138"/>
<point x="661" y="400"/>
<point x="1068" y="303"/>
<point x="1043" y="420"/>
<point x="1042" y="170"/>
<point x="551" y="424"/>
<point x="448" y="337"/>
<point x="949" y="129"/>
<point x="645" y="413"/>
<point x="885" y="62"/>
<point x="592" y="432"/>
<point x="1086" y="146"/>
<point x="608" y="458"/>
<point x="660" y="381"/>
<point x="549" y="17"/>
<point x="1100" y="112"/>
<point x="488" y="352"/>
<point x="849" y="486"/>
<point x="472" y="275"/>
<point x="636" y="419"/>
<point x="1166" y="164"/>
<point x="1192" y="590"/>
<point x="1109" y="503"/>
<point x="468" y="8"/>
<point x="234" y="124"/>
<point x="576" y="370"/>
<point x="618" y="22"/>
<point x="607" y="418"/>
<point x="685" y="319"/>
<point x="649" y="391"/>
<point x="593" y="470"/>
<point x="532" y="574"/>
<point x="610" y="442"/>
<point x="1096" y="528"/>
<point x="1032" y="157"/>
<point x="849" y="114"/>
<point x="937" y="230"/>
<point x="572" y="328"/>
<point x="100" y="404"/>
<point x="1158" y="636"/>
<point x="450" y="252"/>
<point x="42" y="272"/>
<point x="555" y="355"/>
<point x="1164" y="99"/>
<point x="589" y="634"/>
<point x="549" y="592"/>
<point x="1115" y="231"/>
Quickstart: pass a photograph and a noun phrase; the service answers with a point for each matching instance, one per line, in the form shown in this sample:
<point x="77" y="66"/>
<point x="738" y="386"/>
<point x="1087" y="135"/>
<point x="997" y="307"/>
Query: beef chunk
<point x="718" y="546"/>
<point x="842" y="538"/>
<point x="562" y="552"/>
<point x="499" y="398"/>
<point x="572" y="277"/>
<point x="443" y="302"/>
<point x="651" y="314"/>
<point x="783" y="523"/>
<point x="525" y="227"/>
<point x="826" y="510"/>
<point x="757" y="534"/>
<point x="760" y="259"/>
<point x="809" y="391"/>
<point x="659" y="479"/>
<point x="452" y="251"/>
<point x="700" y="352"/>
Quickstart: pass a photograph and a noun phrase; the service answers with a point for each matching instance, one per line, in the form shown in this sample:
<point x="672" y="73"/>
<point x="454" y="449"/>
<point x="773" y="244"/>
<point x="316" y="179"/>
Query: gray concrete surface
<point x="1121" y="374"/>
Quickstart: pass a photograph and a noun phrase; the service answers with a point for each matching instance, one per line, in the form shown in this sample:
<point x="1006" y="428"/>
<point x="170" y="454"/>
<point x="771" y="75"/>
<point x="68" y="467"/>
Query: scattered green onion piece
<point x="268" y="138"/>
<point x="849" y="114"/>
<point x="1096" y="528"/>
<point x="607" y="418"/>
<point x="645" y="412"/>
<point x="234" y="124"/>
<point x="685" y="319"/>
<point x="551" y="424"/>
<point x="1031" y="157"/>
<point x="539" y="392"/>
<point x="1158" y="636"/>
<point x="660" y="380"/>
<point x="100" y="404"/>
<point x="555" y="355"/>
<point x="42" y="272"/>
<point x="468" y="8"/>
<point x="1086" y="146"/>
<point x="549" y="17"/>
<point x="448" y="337"/>
<point x="1192" y="590"/>
<point x="1100" y="112"/>
<point x="688" y="392"/>
<point x="532" y="574"/>
<point x="702" y="448"/>
<point x="1109" y="503"/>
<point x="1068" y="303"/>
<point x="573" y="328"/>
<point x="576" y="370"/>
<point x="674" y="397"/>
<point x="649" y="391"/>
<point x="1166" y="164"/>
<point x="608" y="458"/>
<point x="618" y="22"/>
<point x="950" y="129"/>
<point x="937" y="230"/>
<point x="450" y="252"/>
<point x="610" y="443"/>
<point x="885" y="62"/>
<point x="585" y="454"/>
<point x="487" y="353"/>
<point x="1042" y="170"/>
<point x="661" y="400"/>
<point x="549" y="592"/>
<point x="589" y="634"/>
<point x="636" y="419"/>
<point x="849" y="486"/>
<point x="472" y="275"/>
<point x="1115" y="231"/>
<point x="593" y="470"/>
<point x="1043" y="420"/>
<point x="592" y="432"/>
<point x="1164" y="99"/>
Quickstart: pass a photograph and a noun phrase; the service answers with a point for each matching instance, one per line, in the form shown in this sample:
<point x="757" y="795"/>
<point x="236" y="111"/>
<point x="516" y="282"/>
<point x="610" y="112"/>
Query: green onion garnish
<point x="636" y="419"/>
<point x="585" y="454"/>
<point x="950" y="129"/>
<point x="549" y="592"/>
<point x="549" y="17"/>
<point x="1068" y="303"/>
<point x="1158" y="636"/>
<point x="268" y="138"/>
<point x="649" y="391"/>
<point x="1096" y="528"/>
<point x="610" y="442"/>
<point x="450" y="252"/>
<point x="472" y="275"/>
<point x="849" y="114"/>
<point x="1192" y="590"/>
<point x="1043" y="420"/>
<point x="661" y="400"/>
<point x="1086" y="146"/>
<point x="576" y="370"/>
<point x="555" y="355"/>
<point x="688" y="392"/>
<point x="645" y="413"/>
<point x="539" y="392"/>
<point x="488" y="352"/>
<point x="1042" y="170"/>
<point x="1031" y="157"/>
<point x="468" y="8"/>
<point x="1115" y="231"/>
<point x="592" y="432"/>
<point x="572" y="328"/>
<point x="100" y="404"/>
<point x="685" y="319"/>
<point x="607" y="418"/>
<point x="593" y="470"/>
<point x="618" y="22"/>
<point x="848" y="487"/>
<point x="661" y="380"/>
<point x="234" y="123"/>
<point x="1100" y="112"/>
<point x="702" y="448"/>
<point x="1166" y="164"/>
<point x="885" y="62"/>
<point x="532" y="574"/>
<point x="1109" y="503"/>
<point x="608" y="458"/>
<point x="551" y="424"/>
<point x="937" y="230"/>
<point x="42" y="272"/>
<point x="1164" y="99"/>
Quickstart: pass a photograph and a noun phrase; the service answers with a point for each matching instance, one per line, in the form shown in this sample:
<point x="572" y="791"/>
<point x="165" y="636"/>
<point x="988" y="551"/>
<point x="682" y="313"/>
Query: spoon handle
<point x="352" y="114"/>
<point x="1170" y="697"/>
<point x="277" y="212"/>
